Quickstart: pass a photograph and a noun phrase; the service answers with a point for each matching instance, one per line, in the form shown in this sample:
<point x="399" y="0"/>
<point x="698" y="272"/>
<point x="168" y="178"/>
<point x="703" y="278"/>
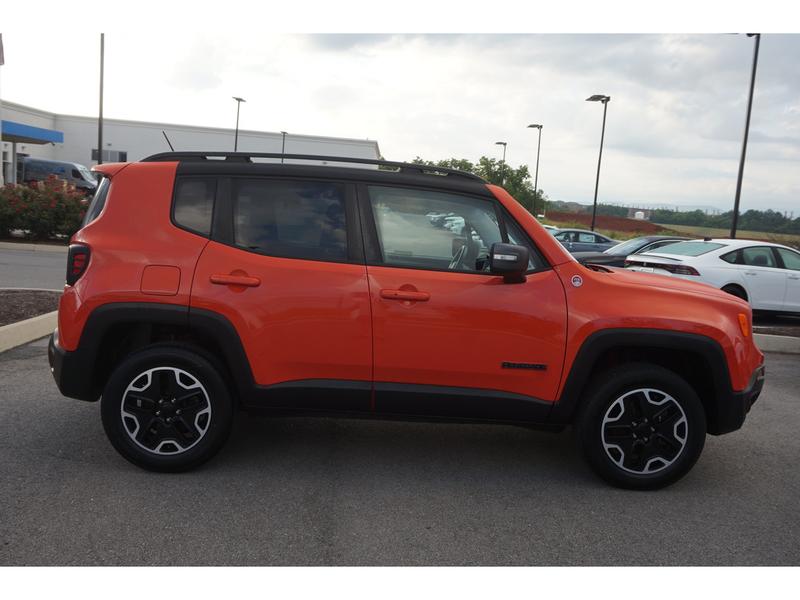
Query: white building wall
<point x="141" y="139"/>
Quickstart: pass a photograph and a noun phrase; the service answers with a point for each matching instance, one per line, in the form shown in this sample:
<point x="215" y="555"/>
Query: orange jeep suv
<point x="202" y="283"/>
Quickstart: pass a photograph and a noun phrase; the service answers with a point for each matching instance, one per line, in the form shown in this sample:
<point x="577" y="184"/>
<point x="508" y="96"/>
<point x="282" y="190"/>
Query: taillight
<point x="77" y="261"/>
<point x="682" y="270"/>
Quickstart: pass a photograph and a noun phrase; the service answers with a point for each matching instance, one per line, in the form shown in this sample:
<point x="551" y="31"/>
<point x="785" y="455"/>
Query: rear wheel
<point x="642" y="427"/>
<point x="166" y="408"/>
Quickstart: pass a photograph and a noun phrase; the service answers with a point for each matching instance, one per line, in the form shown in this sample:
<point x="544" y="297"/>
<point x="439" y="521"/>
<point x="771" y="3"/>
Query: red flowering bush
<point x="42" y="210"/>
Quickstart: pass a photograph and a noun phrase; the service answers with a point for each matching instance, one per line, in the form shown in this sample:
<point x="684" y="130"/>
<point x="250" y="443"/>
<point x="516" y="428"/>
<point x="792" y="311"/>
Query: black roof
<point x="243" y="163"/>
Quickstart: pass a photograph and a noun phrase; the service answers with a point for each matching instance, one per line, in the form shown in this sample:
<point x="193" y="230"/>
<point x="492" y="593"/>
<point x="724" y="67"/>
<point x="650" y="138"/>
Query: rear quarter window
<point x="98" y="201"/>
<point x="194" y="203"/>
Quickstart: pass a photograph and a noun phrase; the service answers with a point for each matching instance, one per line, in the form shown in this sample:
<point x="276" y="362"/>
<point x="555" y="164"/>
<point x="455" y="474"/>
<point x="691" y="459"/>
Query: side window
<point x="194" y="203"/>
<point x="735" y="257"/>
<point x="515" y="236"/>
<point x="291" y="219"/>
<point x="758" y="256"/>
<point x="587" y="238"/>
<point x="791" y="259"/>
<point x="76" y="174"/>
<point x="98" y="201"/>
<point x="564" y="236"/>
<point x="434" y="230"/>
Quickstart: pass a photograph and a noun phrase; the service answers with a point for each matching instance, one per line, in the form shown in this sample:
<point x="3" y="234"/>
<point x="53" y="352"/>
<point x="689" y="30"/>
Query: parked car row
<point x="767" y="275"/>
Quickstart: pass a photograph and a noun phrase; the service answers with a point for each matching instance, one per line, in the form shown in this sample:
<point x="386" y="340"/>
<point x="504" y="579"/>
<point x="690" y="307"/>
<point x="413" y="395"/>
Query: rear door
<point x="286" y="268"/>
<point x="450" y="339"/>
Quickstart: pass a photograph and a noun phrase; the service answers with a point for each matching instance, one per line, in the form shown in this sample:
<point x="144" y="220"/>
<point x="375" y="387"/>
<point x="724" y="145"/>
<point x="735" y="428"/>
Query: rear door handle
<point x="751" y="273"/>
<point x="405" y="295"/>
<point x="243" y="280"/>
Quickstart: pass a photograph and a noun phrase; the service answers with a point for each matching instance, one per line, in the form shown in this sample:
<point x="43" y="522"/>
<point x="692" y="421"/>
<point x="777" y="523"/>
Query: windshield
<point x="625" y="248"/>
<point x="687" y="248"/>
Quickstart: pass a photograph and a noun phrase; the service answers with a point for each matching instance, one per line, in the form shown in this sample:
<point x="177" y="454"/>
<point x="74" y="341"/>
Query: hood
<point x="665" y="282"/>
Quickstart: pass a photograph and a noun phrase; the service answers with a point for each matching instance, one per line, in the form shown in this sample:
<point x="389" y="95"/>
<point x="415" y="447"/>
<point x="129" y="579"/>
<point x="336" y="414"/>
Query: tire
<point x="151" y="430"/>
<point x="735" y="290"/>
<point x="642" y="427"/>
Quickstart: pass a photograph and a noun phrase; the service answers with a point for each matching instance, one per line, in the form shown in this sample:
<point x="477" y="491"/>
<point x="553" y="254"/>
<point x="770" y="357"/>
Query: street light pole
<point x="283" y="145"/>
<point x="100" y="114"/>
<point x="236" y="135"/>
<point x="536" y="177"/>
<point x="503" y="167"/>
<point x="605" y="100"/>
<point x="735" y="221"/>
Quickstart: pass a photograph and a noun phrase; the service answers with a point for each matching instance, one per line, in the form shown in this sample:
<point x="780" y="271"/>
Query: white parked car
<point x="766" y="275"/>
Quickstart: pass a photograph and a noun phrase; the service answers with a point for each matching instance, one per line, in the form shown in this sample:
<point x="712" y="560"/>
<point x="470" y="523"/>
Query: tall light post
<point x="503" y="167"/>
<point x="100" y="113"/>
<point x="605" y="100"/>
<point x="283" y="145"/>
<point x="735" y="220"/>
<point x="236" y="135"/>
<point x="536" y="177"/>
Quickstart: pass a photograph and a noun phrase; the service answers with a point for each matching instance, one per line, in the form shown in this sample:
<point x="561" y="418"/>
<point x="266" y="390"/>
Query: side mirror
<point x="510" y="261"/>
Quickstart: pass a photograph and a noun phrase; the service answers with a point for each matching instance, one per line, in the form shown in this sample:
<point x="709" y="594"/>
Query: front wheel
<point x="166" y="408"/>
<point x="642" y="427"/>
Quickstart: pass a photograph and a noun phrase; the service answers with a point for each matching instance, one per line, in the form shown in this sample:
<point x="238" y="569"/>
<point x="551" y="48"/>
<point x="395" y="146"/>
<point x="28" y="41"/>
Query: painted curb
<point x="777" y="343"/>
<point x="32" y="247"/>
<point x="22" y="332"/>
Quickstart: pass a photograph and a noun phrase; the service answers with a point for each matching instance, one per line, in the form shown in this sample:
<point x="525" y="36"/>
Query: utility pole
<point x="735" y="221"/>
<point x="100" y="117"/>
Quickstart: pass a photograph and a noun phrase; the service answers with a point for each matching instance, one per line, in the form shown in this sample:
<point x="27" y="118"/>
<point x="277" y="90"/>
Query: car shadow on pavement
<point x="373" y="448"/>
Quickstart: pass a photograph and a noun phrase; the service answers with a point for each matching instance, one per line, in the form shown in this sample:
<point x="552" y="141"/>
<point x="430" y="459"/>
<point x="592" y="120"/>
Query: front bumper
<point x="732" y="411"/>
<point x="72" y="371"/>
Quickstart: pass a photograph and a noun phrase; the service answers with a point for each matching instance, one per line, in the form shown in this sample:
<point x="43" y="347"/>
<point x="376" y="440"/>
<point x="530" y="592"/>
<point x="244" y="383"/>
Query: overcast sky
<point x="673" y="135"/>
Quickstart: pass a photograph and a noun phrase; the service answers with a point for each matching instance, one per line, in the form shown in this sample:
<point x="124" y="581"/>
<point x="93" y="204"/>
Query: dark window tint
<point x="290" y="219"/>
<point x="98" y="201"/>
<point x="194" y="204"/>
<point x="76" y="174"/>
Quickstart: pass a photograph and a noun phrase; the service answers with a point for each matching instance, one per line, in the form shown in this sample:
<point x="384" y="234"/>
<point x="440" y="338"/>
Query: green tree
<point x="516" y="181"/>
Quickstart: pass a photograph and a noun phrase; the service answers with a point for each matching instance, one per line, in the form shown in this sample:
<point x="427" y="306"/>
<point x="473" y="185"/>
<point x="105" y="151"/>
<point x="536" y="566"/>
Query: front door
<point x="449" y="338"/>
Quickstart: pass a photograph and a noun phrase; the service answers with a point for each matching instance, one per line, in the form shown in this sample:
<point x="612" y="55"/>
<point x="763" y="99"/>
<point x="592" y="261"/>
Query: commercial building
<point x="35" y="132"/>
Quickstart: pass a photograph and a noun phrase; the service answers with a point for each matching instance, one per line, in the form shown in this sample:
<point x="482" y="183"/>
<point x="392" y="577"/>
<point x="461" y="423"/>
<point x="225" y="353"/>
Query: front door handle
<point x="230" y="279"/>
<point x="405" y="295"/>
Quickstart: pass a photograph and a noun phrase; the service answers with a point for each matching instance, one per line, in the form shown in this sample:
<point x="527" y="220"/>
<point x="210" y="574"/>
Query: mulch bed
<point x="18" y="305"/>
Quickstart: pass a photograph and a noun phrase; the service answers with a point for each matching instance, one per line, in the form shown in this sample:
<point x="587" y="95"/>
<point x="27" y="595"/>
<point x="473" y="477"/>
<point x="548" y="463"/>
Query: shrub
<point x="43" y="210"/>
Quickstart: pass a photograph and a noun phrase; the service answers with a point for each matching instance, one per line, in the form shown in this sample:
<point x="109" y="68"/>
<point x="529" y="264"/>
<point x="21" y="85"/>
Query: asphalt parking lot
<point x="313" y="491"/>
<point x="29" y="269"/>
